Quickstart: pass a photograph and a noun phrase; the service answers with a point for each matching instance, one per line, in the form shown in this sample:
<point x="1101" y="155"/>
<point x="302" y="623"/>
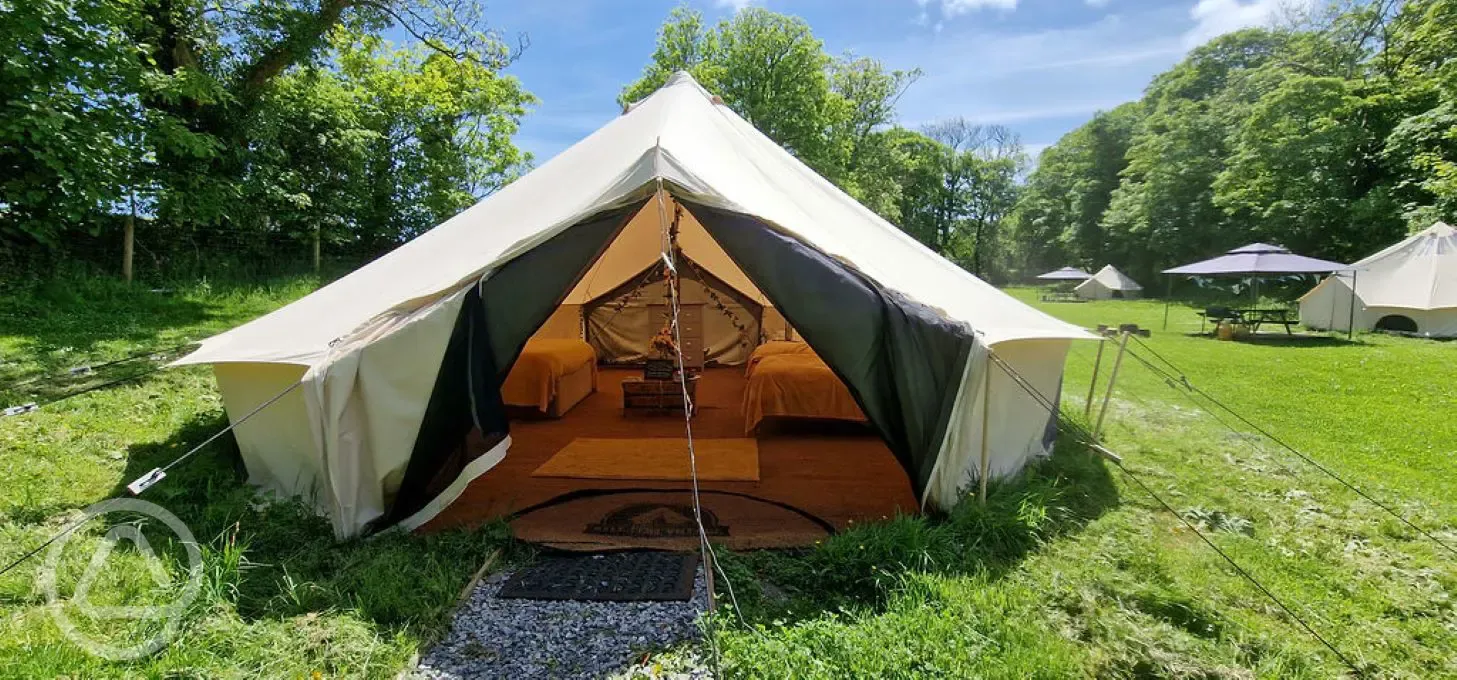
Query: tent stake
<point x="986" y="402"/>
<point x="1093" y="384"/>
<point x="708" y="567"/>
<point x="1112" y="379"/>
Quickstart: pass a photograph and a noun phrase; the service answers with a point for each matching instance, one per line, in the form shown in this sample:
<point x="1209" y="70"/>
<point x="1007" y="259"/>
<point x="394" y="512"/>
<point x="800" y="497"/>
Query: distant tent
<point x="1108" y="283"/>
<point x="1065" y="274"/>
<point x="1410" y="286"/>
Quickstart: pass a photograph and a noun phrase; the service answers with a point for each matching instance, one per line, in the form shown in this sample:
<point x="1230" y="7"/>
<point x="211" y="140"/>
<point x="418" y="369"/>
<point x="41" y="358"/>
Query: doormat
<point x="656" y="520"/>
<point x="613" y="577"/>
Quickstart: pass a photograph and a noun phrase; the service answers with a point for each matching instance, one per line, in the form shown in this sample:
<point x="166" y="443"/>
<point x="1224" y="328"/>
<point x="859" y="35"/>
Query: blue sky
<point x="1041" y="67"/>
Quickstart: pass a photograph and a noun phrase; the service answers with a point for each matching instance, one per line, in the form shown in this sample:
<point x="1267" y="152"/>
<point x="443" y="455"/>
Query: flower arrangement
<point x="663" y="344"/>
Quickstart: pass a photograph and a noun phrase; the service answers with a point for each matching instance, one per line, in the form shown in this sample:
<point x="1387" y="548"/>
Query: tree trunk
<point x="316" y="248"/>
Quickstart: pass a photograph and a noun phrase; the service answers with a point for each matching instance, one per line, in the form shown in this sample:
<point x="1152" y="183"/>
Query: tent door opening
<point x="900" y="362"/>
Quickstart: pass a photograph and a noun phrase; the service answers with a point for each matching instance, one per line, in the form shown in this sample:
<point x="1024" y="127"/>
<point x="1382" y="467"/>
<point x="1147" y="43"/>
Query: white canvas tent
<point x="1410" y="286"/>
<point x="400" y="358"/>
<point x="1108" y="283"/>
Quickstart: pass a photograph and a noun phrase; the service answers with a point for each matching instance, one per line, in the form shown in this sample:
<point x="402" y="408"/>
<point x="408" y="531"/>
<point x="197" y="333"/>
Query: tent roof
<point x="1112" y="279"/>
<point x="1420" y="272"/>
<point x="1065" y="274"/>
<point x="680" y="138"/>
<point x="1257" y="258"/>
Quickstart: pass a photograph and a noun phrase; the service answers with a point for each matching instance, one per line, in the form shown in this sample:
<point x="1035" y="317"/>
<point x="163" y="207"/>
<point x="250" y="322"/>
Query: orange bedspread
<point x="533" y="379"/>
<point x="797" y="386"/>
<point x="775" y="348"/>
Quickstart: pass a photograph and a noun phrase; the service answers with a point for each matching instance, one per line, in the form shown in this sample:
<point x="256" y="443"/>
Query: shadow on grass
<point x="1305" y="340"/>
<point x="48" y="327"/>
<point x="863" y="565"/>
<point x="281" y="560"/>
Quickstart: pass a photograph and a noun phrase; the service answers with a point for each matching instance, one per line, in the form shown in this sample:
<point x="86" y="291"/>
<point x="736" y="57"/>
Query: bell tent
<point x="1410" y="287"/>
<point x="1108" y="283"/>
<point x="391" y="377"/>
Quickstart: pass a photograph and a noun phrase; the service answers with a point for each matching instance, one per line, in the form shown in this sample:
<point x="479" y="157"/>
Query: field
<point x="1069" y="571"/>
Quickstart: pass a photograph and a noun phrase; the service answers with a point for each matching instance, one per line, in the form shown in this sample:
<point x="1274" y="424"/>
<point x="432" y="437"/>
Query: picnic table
<point x="1252" y="317"/>
<point x="1061" y="296"/>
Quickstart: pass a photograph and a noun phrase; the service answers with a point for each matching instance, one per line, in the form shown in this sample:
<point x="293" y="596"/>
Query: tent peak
<point x="678" y="79"/>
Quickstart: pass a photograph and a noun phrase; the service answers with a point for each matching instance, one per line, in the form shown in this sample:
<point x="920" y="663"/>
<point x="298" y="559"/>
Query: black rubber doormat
<point x="613" y="577"/>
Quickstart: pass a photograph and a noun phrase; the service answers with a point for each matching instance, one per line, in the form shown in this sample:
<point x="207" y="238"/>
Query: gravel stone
<point x="513" y="638"/>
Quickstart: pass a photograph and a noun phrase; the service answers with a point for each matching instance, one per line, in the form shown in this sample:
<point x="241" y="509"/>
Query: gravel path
<point x="510" y="638"/>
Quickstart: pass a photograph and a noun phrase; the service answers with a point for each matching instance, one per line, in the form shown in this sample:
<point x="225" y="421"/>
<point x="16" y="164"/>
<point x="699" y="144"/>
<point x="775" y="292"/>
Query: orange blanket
<point x="796" y="386"/>
<point x="775" y="348"/>
<point x="533" y="379"/>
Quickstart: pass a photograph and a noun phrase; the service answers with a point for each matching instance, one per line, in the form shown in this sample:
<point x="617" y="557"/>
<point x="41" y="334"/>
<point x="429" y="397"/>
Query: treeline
<point x="1333" y="137"/>
<point x="243" y="132"/>
<point x="952" y="184"/>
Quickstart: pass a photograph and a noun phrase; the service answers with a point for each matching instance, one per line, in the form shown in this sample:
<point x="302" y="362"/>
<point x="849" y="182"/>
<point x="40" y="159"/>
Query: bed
<point x="774" y="348"/>
<point x="551" y="376"/>
<point x="786" y="382"/>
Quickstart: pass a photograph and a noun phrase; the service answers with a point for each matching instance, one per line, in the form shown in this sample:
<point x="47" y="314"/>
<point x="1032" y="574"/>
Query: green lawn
<point x="1068" y="571"/>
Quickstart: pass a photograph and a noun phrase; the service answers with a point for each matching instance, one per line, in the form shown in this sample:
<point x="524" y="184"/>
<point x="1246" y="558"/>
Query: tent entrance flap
<point x="495" y="321"/>
<point x="902" y="361"/>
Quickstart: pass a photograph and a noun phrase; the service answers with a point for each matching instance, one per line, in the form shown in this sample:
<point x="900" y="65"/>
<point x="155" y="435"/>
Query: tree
<point x="770" y="69"/>
<point x="66" y="114"/>
<point x="230" y="116"/>
<point x="966" y="179"/>
<point x="1061" y="209"/>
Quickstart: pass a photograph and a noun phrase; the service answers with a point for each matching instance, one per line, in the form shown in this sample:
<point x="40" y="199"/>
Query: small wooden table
<point x="656" y="397"/>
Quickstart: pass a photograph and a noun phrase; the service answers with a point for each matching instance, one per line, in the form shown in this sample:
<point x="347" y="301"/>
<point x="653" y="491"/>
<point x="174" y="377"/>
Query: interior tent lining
<point x="637" y="248"/>
<point x="618" y="327"/>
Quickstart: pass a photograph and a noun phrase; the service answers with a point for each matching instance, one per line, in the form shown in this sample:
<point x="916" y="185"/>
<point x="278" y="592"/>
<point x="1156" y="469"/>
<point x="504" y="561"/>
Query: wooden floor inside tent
<point x="814" y="477"/>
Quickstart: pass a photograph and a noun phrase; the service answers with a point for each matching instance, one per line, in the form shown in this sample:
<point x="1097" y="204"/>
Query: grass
<point x="1068" y="571"/>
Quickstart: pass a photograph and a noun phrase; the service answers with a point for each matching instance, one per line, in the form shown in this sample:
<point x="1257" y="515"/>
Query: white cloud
<point x="1213" y="18"/>
<point x="734" y="5"/>
<point x="1041" y="82"/>
<point x="952" y="8"/>
<point x="1097" y="4"/>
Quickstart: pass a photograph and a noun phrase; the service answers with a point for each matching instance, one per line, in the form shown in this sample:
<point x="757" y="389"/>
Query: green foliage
<point x="281" y="597"/>
<point x="1333" y="138"/>
<point x="66" y="101"/>
<point x="243" y="121"/>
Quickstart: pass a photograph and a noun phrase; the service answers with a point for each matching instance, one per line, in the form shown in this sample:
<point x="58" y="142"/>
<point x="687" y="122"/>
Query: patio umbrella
<point x="1254" y="260"/>
<point x="1065" y="274"/>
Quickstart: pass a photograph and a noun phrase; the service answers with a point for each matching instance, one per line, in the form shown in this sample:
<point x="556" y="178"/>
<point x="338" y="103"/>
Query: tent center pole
<point x="986" y="409"/>
<point x="1093" y="384"/>
<point x="1112" y="379"/>
<point x="1351" y="315"/>
<point x="1168" y="295"/>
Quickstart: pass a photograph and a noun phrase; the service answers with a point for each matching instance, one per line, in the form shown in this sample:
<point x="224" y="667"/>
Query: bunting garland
<point x="659" y="272"/>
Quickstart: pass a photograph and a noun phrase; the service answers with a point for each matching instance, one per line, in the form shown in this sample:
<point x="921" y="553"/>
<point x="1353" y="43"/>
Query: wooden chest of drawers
<point x="690" y="329"/>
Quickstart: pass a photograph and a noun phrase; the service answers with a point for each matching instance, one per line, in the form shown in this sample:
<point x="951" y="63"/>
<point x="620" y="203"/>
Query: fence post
<point x="128" y="240"/>
<point x="316" y="248"/>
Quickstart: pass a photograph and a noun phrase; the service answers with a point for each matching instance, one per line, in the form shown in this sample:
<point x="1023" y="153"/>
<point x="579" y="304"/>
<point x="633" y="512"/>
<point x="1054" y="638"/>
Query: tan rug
<point x="666" y="459"/>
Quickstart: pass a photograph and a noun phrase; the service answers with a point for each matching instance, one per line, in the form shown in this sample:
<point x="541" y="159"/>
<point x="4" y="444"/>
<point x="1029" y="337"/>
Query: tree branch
<point x="292" y="48"/>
